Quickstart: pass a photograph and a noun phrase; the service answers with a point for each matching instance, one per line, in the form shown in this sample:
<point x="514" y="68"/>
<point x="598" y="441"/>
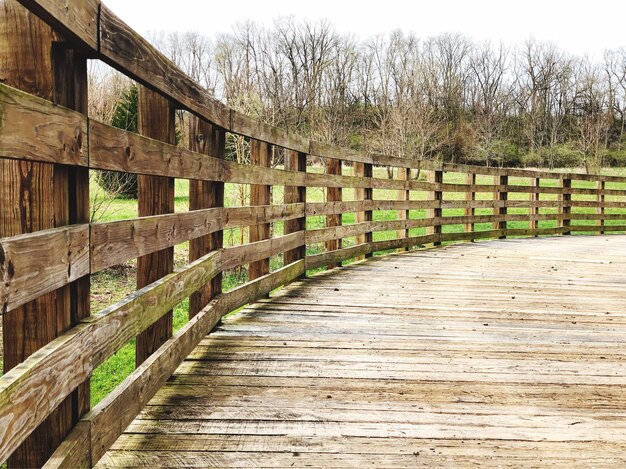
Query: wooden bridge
<point x="448" y="353"/>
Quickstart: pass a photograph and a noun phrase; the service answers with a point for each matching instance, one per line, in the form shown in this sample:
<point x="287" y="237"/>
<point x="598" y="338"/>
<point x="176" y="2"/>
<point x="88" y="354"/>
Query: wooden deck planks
<point x="497" y="353"/>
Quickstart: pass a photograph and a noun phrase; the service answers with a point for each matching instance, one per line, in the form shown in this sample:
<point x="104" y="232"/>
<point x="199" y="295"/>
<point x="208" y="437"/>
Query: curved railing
<point x="47" y="146"/>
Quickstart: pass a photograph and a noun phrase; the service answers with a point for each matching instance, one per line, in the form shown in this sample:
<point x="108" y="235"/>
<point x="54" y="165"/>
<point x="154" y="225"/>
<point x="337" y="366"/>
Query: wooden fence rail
<point x="49" y="248"/>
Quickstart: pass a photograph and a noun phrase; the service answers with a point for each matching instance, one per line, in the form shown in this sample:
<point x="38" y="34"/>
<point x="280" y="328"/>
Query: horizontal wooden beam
<point x="116" y="242"/>
<point x="115" y="412"/>
<point x="124" y="49"/>
<point x="34" y="129"/>
<point x="120" y="322"/>
<point x="76" y="20"/>
<point x="33" y="389"/>
<point x="37" y="263"/>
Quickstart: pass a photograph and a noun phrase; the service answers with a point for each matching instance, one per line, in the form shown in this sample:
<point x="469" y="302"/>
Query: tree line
<point x="444" y="97"/>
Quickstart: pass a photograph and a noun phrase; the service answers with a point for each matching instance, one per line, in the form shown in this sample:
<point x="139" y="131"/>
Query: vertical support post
<point x="359" y="195"/>
<point x="333" y="194"/>
<point x="470" y="197"/>
<point x="501" y="195"/>
<point x="534" y="206"/>
<point x="295" y="161"/>
<point x="210" y="140"/>
<point x="38" y="196"/>
<point x="600" y="187"/>
<point x="365" y="195"/>
<point x="436" y="178"/>
<point x="155" y="197"/>
<point x="565" y="200"/>
<point x="260" y="194"/>
<point x="404" y="174"/>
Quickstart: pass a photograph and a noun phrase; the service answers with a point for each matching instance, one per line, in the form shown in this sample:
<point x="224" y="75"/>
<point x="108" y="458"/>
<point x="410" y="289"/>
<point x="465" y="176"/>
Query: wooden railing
<point x="49" y="249"/>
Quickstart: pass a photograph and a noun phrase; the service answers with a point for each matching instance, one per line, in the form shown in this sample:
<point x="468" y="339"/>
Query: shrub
<point x="118" y="184"/>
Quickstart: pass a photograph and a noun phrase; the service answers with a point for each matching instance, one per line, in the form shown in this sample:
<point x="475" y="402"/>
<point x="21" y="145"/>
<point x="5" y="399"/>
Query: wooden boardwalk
<point x="499" y="353"/>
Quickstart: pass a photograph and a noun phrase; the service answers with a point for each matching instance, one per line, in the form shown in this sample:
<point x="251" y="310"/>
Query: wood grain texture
<point x="39" y="196"/>
<point x="120" y="322"/>
<point x="258" y="130"/>
<point x="47" y="378"/>
<point x="404" y="174"/>
<point x="296" y="195"/>
<point x="116" y="242"/>
<point x="34" y="264"/>
<point x="34" y="129"/>
<point x="470" y="363"/>
<point x="155" y="197"/>
<point x="435" y="178"/>
<point x="260" y="194"/>
<point x="565" y="209"/>
<point x="205" y="196"/>
<point x="127" y="51"/>
<point x="118" y="150"/>
<point x="333" y="194"/>
<point x="110" y="417"/>
<point x="501" y="195"/>
<point x="77" y="20"/>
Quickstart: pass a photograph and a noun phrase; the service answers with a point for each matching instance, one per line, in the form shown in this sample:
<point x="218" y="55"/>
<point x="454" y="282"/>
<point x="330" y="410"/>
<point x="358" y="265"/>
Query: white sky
<point x="580" y="27"/>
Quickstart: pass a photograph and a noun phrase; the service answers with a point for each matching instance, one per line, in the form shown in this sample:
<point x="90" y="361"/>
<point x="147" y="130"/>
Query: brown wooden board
<point x="155" y="197"/>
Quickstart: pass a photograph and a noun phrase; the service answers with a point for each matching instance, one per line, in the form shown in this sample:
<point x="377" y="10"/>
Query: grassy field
<point x="111" y="285"/>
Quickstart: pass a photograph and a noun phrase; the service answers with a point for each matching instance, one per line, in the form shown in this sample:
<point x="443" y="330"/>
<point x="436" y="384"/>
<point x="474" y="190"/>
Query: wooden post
<point x="404" y="174"/>
<point x="210" y="140"/>
<point x="436" y="177"/>
<point x="260" y="194"/>
<point x="600" y="186"/>
<point x="38" y="196"/>
<point x="295" y="161"/>
<point x="155" y="197"/>
<point x="501" y="195"/>
<point x="364" y="194"/>
<point x="333" y="194"/>
<point x="534" y="209"/>
<point x="566" y="209"/>
<point x="470" y="196"/>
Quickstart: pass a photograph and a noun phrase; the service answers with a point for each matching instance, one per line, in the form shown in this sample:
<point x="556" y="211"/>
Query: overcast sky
<point x="581" y="27"/>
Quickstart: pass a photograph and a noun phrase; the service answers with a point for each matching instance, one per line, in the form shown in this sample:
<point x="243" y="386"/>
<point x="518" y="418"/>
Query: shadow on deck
<point x="496" y="353"/>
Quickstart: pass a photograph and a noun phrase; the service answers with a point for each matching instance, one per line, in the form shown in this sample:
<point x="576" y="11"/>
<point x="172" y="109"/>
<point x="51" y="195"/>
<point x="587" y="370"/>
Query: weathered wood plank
<point x="207" y="139"/>
<point x="34" y="264"/>
<point x="260" y="194"/>
<point x="41" y="196"/>
<point x="404" y="174"/>
<point x="118" y="150"/>
<point x="332" y="151"/>
<point x="116" y="242"/>
<point x="130" y="53"/>
<point x="295" y="195"/>
<point x="333" y="194"/>
<point x="75" y="451"/>
<point x="110" y="418"/>
<point x="455" y="361"/>
<point x="364" y="201"/>
<point x="155" y="196"/>
<point x="120" y="322"/>
<point x="255" y="129"/>
<point x="259" y="250"/>
<point x="77" y="20"/>
<point x="501" y="181"/>
<point x="32" y="390"/>
<point x="436" y="178"/>
<point x="564" y="208"/>
<point x="470" y="179"/>
<point x="34" y="129"/>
